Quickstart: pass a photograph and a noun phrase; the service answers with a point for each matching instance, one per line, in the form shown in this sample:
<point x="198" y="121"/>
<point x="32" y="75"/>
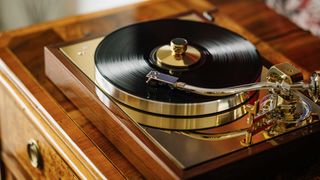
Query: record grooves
<point x="125" y="56"/>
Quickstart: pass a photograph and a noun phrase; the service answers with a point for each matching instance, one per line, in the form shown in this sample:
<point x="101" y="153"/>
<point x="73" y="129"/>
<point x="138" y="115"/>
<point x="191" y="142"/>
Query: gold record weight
<point x="178" y="55"/>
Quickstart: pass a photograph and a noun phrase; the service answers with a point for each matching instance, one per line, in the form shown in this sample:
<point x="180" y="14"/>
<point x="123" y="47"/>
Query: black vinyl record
<point x="124" y="59"/>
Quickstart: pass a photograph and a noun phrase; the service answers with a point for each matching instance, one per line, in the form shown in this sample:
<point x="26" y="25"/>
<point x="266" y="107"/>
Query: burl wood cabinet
<point x="44" y="135"/>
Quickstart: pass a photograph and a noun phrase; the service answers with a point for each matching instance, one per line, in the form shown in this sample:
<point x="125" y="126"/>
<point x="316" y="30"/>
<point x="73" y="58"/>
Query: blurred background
<point x="20" y="13"/>
<point x="305" y="13"/>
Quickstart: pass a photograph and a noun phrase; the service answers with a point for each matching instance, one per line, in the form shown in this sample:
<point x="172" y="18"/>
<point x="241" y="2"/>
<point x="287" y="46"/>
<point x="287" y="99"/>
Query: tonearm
<point x="281" y="77"/>
<point x="280" y="111"/>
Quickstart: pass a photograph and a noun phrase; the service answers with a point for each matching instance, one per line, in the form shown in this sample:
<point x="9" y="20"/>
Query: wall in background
<point x="19" y="13"/>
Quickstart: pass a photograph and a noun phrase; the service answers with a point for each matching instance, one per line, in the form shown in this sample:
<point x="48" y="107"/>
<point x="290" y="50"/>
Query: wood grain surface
<point x="17" y="130"/>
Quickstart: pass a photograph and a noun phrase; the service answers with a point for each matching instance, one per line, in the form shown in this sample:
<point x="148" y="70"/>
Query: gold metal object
<point x="253" y="111"/>
<point x="315" y="86"/>
<point x="34" y="154"/>
<point x="181" y="123"/>
<point x="178" y="46"/>
<point x="284" y="72"/>
<point x="178" y="55"/>
<point x="268" y="124"/>
<point x="214" y="136"/>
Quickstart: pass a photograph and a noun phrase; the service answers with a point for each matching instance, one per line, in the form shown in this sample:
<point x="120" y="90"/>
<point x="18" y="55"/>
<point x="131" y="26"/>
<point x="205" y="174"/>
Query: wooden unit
<point x="62" y="131"/>
<point x="25" y="121"/>
<point x="18" y="130"/>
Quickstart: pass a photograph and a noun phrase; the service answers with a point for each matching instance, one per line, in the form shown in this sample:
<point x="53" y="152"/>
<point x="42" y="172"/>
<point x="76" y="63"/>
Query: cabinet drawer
<point x="24" y="146"/>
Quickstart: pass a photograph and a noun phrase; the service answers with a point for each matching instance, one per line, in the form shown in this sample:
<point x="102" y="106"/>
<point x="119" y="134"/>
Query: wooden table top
<point x="22" y="51"/>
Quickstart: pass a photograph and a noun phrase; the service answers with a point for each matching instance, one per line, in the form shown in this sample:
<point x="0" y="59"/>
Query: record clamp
<point x="178" y="56"/>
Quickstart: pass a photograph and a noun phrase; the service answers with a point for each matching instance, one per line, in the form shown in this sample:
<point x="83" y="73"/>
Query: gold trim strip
<point x="172" y="123"/>
<point x="174" y="109"/>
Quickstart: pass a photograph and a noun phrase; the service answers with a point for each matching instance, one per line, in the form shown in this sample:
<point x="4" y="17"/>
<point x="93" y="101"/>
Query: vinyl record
<point x="125" y="56"/>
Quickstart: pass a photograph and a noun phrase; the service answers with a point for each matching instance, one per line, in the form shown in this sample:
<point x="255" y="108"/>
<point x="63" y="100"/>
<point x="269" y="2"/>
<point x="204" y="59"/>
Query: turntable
<point x="184" y="95"/>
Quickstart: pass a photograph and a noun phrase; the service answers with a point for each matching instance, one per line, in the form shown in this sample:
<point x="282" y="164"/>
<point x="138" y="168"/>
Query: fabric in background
<point x="305" y="13"/>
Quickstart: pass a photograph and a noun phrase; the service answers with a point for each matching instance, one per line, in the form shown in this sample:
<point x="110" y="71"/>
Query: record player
<point x="186" y="96"/>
